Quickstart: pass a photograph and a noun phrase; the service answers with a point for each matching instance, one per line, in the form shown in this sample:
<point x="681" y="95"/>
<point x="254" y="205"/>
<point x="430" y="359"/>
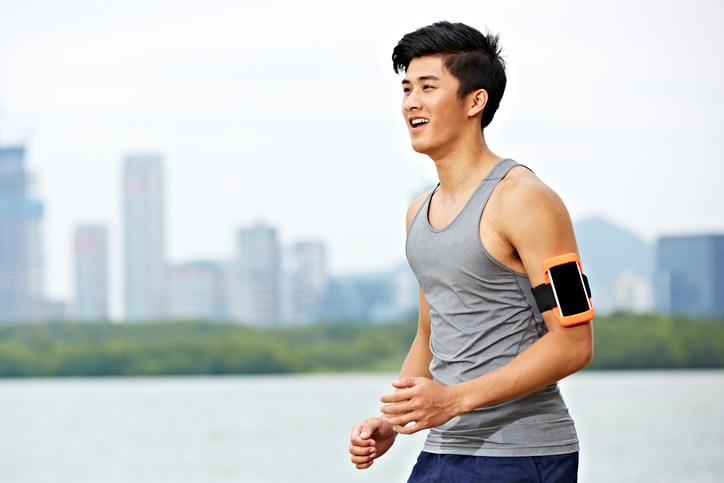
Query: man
<point x="482" y="371"/>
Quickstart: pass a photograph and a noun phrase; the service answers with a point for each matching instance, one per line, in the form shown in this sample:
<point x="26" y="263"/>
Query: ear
<point x="477" y="101"/>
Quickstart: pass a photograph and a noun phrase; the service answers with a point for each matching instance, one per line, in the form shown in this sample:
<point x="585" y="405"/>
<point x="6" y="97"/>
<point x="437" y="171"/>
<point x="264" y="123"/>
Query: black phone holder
<point x="546" y="300"/>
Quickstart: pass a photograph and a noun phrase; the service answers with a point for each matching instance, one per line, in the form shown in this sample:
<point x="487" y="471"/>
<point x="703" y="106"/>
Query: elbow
<point x="584" y="346"/>
<point x="579" y="359"/>
<point x="586" y="357"/>
<point x="580" y="354"/>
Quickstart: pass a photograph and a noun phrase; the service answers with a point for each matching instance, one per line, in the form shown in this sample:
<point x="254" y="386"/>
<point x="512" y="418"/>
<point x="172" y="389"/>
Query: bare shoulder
<point x="522" y="191"/>
<point x="415" y="206"/>
<point x="526" y="222"/>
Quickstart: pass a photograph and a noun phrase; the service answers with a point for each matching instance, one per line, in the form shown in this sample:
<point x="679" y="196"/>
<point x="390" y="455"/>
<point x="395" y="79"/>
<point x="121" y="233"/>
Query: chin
<point x="419" y="147"/>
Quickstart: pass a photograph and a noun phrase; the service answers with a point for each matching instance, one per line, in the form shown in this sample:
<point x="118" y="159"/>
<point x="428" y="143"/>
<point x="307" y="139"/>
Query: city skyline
<point x="261" y="117"/>
<point x="266" y="283"/>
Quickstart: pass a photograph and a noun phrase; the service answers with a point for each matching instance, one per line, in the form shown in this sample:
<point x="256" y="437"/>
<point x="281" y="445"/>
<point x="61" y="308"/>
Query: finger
<point x="397" y="396"/>
<point x="396" y="408"/>
<point x="362" y="466"/>
<point x="362" y="457"/>
<point x="399" y="420"/>
<point x="362" y="462"/>
<point x="356" y="434"/>
<point x="362" y="440"/>
<point x="404" y="382"/>
<point x="363" y="431"/>
<point x="361" y="443"/>
<point x="411" y="427"/>
<point x="361" y="451"/>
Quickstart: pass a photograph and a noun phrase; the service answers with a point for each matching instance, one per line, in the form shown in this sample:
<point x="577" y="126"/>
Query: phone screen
<point x="568" y="288"/>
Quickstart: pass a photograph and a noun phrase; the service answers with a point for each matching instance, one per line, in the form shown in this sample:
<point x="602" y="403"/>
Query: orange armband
<point x="566" y="290"/>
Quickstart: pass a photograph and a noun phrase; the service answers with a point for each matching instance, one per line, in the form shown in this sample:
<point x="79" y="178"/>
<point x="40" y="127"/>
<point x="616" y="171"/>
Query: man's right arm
<point x="417" y="362"/>
<point x="372" y="437"/>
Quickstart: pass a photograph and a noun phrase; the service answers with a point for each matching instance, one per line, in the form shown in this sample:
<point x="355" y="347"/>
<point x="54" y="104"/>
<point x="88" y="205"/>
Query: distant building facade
<point x="372" y="297"/>
<point x="21" y="261"/>
<point x="144" y="244"/>
<point x="308" y="280"/>
<point x="257" y="270"/>
<point x="90" y="254"/>
<point x="199" y="290"/>
<point x="632" y="293"/>
<point x="690" y="275"/>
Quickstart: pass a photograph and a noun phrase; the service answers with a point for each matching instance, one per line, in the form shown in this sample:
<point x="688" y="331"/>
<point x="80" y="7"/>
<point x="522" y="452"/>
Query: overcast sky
<point x="288" y="113"/>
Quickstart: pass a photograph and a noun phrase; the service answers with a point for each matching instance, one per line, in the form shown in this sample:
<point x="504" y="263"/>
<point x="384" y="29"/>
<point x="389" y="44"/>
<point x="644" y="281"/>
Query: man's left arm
<point x="539" y="228"/>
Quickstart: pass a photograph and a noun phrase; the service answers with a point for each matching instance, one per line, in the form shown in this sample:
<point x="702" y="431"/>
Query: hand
<point x="369" y="440"/>
<point x="418" y="403"/>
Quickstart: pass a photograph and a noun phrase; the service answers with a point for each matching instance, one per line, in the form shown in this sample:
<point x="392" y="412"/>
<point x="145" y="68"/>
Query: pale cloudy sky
<point x="287" y="112"/>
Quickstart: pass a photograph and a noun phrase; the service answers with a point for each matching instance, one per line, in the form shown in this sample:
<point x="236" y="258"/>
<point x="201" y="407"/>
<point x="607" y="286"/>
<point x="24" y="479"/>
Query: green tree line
<point x="188" y="348"/>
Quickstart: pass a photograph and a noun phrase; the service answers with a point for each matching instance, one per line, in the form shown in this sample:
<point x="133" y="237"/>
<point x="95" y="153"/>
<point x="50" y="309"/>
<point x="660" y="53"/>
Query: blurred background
<point x="283" y="119"/>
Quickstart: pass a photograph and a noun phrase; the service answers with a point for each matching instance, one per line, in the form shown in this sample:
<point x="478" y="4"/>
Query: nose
<point x="411" y="101"/>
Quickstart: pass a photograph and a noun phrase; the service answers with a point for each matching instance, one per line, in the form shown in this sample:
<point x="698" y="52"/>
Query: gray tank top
<point x="482" y="315"/>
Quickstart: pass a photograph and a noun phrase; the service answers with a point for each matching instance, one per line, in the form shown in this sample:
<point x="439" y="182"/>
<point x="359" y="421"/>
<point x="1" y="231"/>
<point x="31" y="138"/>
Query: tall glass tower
<point x="144" y="250"/>
<point x="310" y="280"/>
<point x="21" y="264"/>
<point x="90" y="251"/>
<point x="257" y="276"/>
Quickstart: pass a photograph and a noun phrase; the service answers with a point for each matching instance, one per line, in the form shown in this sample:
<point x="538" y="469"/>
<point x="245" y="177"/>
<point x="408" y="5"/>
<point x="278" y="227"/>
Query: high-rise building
<point x="690" y="275"/>
<point x="309" y="279"/>
<point x="198" y="290"/>
<point x="632" y="294"/>
<point x="90" y="252"/>
<point x="257" y="277"/>
<point x="144" y="249"/>
<point x="21" y="263"/>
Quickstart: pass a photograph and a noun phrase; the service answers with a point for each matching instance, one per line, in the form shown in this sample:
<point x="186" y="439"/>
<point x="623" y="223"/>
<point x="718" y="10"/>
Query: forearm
<point x="417" y="362"/>
<point x="553" y="357"/>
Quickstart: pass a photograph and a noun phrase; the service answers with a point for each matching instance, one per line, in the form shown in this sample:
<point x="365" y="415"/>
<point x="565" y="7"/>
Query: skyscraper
<point x="90" y="253"/>
<point x="144" y="250"/>
<point x="21" y="263"/>
<point x="257" y="276"/>
<point x="309" y="281"/>
<point x="690" y="275"/>
<point x="198" y="290"/>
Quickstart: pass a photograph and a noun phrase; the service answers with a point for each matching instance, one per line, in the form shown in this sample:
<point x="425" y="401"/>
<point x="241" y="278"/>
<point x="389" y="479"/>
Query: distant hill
<point x="610" y="254"/>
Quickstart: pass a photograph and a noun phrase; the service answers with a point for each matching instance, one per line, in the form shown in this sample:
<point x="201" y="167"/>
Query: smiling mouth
<point x="417" y="122"/>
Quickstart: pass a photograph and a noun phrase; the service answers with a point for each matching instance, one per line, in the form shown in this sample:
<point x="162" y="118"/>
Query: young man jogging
<point x="482" y="371"/>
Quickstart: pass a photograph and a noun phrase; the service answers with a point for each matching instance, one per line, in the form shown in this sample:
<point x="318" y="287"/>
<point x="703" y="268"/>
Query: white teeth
<point x="417" y="122"/>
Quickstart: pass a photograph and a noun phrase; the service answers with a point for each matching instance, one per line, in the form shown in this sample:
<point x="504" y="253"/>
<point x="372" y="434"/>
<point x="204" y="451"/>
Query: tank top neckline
<point x="490" y="175"/>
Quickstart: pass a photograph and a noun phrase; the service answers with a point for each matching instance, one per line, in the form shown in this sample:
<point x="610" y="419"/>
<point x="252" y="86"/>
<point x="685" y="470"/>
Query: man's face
<point x="430" y="106"/>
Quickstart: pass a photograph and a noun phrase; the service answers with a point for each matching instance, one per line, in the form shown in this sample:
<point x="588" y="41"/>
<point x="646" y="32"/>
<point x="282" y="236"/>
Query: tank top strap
<point x="482" y="194"/>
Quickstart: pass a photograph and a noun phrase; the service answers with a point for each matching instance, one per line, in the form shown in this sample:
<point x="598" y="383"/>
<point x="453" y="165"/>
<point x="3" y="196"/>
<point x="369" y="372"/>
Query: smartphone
<point x="565" y="276"/>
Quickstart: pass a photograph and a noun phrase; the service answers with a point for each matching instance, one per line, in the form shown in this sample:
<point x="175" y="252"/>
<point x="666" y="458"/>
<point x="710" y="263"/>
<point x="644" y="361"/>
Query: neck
<point x="464" y="169"/>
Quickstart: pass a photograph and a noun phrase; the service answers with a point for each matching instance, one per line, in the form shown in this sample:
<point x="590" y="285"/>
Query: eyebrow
<point x="422" y="78"/>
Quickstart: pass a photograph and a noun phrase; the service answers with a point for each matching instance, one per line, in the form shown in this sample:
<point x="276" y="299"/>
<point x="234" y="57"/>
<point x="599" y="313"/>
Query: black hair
<point x="472" y="57"/>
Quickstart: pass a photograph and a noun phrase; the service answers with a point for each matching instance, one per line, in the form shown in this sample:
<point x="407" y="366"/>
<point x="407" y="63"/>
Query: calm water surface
<point x="633" y="426"/>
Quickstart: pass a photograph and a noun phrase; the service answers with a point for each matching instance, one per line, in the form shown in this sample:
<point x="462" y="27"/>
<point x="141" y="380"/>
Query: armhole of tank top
<point x="424" y="207"/>
<point x="484" y="249"/>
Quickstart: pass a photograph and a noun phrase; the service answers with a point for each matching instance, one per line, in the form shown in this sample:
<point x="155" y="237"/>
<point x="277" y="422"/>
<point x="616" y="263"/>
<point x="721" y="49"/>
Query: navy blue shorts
<point x="449" y="468"/>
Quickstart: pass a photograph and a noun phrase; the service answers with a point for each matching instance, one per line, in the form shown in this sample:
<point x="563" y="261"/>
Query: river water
<point x="655" y="426"/>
